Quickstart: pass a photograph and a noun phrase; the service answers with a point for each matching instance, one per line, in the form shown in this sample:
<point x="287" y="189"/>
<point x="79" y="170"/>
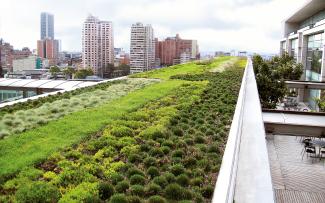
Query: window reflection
<point x="314" y="56"/>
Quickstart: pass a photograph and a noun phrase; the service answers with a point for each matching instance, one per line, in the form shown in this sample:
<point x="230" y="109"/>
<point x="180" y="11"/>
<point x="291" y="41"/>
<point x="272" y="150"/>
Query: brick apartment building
<point x="48" y="49"/>
<point x="8" y="54"/>
<point x="170" y="50"/>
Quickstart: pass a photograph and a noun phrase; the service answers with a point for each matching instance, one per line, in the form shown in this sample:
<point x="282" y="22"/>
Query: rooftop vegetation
<point x="162" y="142"/>
<point x="23" y="120"/>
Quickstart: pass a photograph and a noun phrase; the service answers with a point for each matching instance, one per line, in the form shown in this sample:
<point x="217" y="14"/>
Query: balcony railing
<point x="245" y="175"/>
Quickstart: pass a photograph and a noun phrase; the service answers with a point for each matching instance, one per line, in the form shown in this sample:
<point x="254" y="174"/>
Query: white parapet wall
<point x="245" y="174"/>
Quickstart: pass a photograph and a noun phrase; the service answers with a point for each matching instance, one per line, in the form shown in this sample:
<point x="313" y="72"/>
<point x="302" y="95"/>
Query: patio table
<point x="320" y="144"/>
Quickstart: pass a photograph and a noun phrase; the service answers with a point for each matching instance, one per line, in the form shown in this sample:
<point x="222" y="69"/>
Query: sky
<point x="250" y="25"/>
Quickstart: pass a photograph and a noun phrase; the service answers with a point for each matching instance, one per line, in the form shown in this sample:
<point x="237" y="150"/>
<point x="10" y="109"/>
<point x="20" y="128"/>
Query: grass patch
<point x="35" y="145"/>
<point x="189" y="68"/>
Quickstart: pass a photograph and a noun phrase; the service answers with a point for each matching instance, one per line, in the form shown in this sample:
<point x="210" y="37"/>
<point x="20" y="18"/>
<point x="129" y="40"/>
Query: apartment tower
<point x="47" y="46"/>
<point x="47" y="26"/>
<point x="142" y="49"/>
<point x="97" y="44"/>
<point x="174" y="50"/>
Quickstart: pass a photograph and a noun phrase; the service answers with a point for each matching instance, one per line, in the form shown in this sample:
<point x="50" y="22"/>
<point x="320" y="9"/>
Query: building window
<point x="314" y="56"/>
<point x="294" y="48"/>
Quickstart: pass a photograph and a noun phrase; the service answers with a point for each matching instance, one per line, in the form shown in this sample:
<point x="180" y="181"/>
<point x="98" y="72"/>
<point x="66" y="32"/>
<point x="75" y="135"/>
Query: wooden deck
<point x="295" y="180"/>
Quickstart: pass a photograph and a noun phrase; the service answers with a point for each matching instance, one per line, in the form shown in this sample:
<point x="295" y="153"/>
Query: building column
<point x="39" y="91"/>
<point x="25" y="94"/>
<point x="304" y="49"/>
<point x="289" y="46"/>
<point x="303" y="94"/>
<point x="322" y="72"/>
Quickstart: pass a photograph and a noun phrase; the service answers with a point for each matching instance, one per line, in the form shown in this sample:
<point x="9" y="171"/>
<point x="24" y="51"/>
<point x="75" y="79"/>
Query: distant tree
<point x="54" y="70"/>
<point x="109" y="68"/>
<point x="83" y="73"/>
<point x="271" y="76"/>
<point x="125" y="68"/>
<point x="68" y="72"/>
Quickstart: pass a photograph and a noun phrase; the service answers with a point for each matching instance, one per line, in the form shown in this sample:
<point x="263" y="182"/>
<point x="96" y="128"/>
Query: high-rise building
<point x="142" y="49"/>
<point x="47" y="26"/>
<point x="48" y="49"/>
<point x="97" y="44"/>
<point x="172" y="48"/>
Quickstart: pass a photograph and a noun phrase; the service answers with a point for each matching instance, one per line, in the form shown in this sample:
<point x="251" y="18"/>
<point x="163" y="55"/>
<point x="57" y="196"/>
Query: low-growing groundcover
<point x="29" y="104"/>
<point x="169" y="150"/>
<point x="23" y="120"/>
<point x="33" y="146"/>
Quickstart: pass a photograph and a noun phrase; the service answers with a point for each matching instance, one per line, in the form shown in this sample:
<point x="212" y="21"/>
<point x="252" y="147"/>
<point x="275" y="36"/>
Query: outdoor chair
<point x="321" y="152"/>
<point x="306" y="145"/>
<point x="311" y="150"/>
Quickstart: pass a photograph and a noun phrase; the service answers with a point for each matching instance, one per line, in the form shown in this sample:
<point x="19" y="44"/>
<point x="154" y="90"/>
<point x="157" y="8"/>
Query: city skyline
<point x="215" y="25"/>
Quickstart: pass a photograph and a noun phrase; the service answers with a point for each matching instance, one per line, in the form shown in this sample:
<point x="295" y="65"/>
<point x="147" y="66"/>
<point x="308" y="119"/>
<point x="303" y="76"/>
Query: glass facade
<point x="10" y="95"/>
<point x="313" y="19"/>
<point x="294" y="48"/>
<point x="314" y="57"/>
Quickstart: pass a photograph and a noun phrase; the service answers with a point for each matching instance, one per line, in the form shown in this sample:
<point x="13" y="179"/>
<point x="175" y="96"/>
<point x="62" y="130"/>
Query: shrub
<point x="85" y="192"/>
<point x="168" y="143"/>
<point x="153" y="189"/>
<point x="169" y="177"/>
<point x="149" y="161"/>
<point x="157" y="199"/>
<point x="134" y="199"/>
<point x="153" y="132"/>
<point x="156" y="152"/>
<point x="121" y="131"/>
<point x="213" y="149"/>
<point x="133" y="171"/>
<point x="178" y="153"/>
<point x="165" y="149"/>
<point x="207" y="191"/>
<point x="187" y="194"/>
<point x="37" y="192"/>
<point x="137" y="190"/>
<point x="189" y="162"/>
<point x="197" y="181"/>
<point x="199" y="139"/>
<point x="177" y="169"/>
<point x="116" y="177"/>
<point x="133" y="158"/>
<point x="174" y="192"/>
<point x="106" y="190"/>
<point x="122" y="186"/>
<point x="118" y="198"/>
<point x="183" y="180"/>
<point x="161" y="181"/>
<point x="178" y="132"/>
<point x="153" y="171"/>
<point x="137" y="180"/>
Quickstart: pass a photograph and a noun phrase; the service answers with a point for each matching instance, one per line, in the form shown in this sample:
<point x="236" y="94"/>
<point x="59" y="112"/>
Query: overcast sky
<point x="252" y="25"/>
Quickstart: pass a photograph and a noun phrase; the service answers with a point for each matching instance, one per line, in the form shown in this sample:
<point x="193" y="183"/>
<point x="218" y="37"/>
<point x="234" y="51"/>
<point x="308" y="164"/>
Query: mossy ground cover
<point x="163" y="143"/>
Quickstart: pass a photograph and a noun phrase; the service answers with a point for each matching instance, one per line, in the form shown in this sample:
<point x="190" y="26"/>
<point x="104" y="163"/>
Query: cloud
<point x="253" y="25"/>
